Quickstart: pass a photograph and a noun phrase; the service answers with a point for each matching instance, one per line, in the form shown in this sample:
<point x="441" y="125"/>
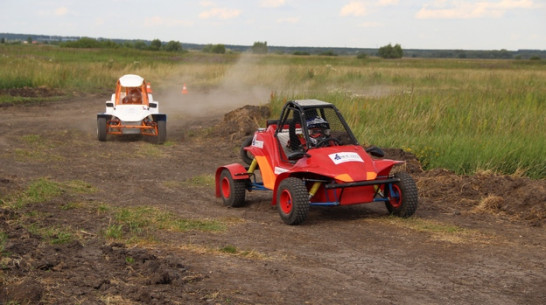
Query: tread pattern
<point x="300" y="200"/>
<point x="410" y="197"/>
<point x="237" y="190"/>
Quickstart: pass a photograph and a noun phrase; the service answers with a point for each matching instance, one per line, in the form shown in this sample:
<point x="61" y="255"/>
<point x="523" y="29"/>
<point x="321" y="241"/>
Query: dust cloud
<point x="232" y="93"/>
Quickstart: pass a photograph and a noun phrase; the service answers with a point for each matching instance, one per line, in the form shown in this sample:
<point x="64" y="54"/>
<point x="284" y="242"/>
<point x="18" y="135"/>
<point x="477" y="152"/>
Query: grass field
<point x="464" y="115"/>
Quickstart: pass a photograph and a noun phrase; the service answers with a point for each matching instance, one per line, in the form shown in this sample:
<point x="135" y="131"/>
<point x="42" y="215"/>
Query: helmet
<point x="318" y="127"/>
<point x="135" y="94"/>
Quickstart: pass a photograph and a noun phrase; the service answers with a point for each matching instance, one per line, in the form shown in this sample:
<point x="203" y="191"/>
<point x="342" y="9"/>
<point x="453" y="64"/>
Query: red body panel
<point x="345" y="196"/>
<point x="237" y="172"/>
<point x="344" y="164"/>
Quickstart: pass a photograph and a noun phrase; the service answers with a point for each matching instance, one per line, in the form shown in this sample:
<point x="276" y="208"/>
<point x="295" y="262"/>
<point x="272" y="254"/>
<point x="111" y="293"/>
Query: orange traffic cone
<point x="184" y="89"/>
<point x="149" y="87"/>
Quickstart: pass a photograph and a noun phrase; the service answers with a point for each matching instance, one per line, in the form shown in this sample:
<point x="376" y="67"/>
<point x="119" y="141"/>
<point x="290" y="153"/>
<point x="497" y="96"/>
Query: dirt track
<point x="473" y="240"/>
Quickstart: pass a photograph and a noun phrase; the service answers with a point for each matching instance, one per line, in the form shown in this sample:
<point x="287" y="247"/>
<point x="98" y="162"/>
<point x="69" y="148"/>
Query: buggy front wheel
<point x="402" y="196"/>
<point x="101" y="129"/>
<point x="292" y="201"/>
<point x="161" y="131"/>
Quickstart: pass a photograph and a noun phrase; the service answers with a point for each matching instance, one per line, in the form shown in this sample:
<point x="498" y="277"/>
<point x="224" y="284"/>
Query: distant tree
<point x="389" y="51"/>
<point x="361" y="55"/>
<point x="173" y="46"/>
<point x="139" y="44"/>
<point x="398" y="52"/>
<point x="328" y="53"/>
<point x="155" y="45"/>
<point x="503" y="53"/>
<point x="29" y="40"/>
<point x="219" y="49"/>
<point x="109" y="44"/>
<point x="3" y="40"/>
<point x="216" y="48"/>
<point x="301" y="53"/>
<point x="385" y="51"/>
<point x="259" y="47"/>
<point x="83" y="42"/>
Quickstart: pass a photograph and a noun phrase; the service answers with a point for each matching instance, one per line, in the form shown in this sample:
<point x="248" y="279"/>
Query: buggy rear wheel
<point x="292" y="201"/>
<point x="246" y="156"/>
<point x="402" y="196"/>
<point x="101" y="128"/>
<point x="232" y="190"/>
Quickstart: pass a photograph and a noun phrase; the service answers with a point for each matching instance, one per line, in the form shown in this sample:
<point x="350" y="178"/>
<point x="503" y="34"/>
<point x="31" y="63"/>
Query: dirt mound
<point x="412" y="163"/>
<point x="519" y="198"/>
<point x="243" y="121"/>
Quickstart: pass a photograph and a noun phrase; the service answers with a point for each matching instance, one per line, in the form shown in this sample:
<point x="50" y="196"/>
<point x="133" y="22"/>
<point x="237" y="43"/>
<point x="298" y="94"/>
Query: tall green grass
<point x="458" y="118"/>
<point x="461" y="114"/>
<point x="89" y="70"/>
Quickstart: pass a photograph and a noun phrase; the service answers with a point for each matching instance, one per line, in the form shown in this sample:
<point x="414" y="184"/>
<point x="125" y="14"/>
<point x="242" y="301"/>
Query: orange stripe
<point x="344" y="178"/>
<point x="268" y="176"/>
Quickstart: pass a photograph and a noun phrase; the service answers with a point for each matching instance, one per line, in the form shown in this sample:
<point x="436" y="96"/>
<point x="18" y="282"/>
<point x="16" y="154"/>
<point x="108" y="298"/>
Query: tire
<point x="292" y="201"/>
<point x="403" y="202"/>
<point x="231" y="190"/>
<point x="161" y="131"/>
<point x="246" y="156"/>
<point x="101" y="129"/>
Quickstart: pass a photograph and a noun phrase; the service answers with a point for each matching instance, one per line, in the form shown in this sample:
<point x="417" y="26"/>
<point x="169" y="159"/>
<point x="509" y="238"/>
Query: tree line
<point x="154" y="45"/>
<point x="259" y="47"/>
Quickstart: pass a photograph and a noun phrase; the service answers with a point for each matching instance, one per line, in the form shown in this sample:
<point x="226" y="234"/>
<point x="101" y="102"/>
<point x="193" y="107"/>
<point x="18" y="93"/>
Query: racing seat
<point x="294" y="140"/>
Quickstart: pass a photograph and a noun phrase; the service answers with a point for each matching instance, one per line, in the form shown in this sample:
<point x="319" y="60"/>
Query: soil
<point x="476" y="239"/>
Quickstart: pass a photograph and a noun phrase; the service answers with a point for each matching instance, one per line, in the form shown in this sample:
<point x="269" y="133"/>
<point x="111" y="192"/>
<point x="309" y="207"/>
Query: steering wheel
<point x="326" y="142"/>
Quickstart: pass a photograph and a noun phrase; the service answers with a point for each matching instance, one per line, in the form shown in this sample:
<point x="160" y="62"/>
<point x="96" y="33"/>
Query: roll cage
<point x="126" y="84"/>
<point x="292" y="132"/>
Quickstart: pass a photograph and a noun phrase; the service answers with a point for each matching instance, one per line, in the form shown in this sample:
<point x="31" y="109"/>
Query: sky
<point x="414" y="24"/>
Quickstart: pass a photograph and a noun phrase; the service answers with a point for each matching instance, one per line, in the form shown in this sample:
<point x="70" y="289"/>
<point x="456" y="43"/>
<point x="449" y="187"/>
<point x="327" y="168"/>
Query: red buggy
<point x="310" y="157"/>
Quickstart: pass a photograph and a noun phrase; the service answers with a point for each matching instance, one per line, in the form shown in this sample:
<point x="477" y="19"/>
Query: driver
<point x="134" y="97"/>
<point x="318" y="129"/>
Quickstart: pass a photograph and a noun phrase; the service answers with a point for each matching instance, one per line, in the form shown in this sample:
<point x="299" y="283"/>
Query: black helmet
<point x="317" y="122"/>
<point x="317" y="127"/>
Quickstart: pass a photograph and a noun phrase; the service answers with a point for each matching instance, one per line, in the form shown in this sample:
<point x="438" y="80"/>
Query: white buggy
<point x="132" y="111"/>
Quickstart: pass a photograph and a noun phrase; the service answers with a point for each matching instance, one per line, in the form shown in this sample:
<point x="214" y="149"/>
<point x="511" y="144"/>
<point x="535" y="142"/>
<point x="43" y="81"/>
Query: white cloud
<point x="272" y="3"/>
<point x="442" y="9"/>
<point x="288" y="20"/>
<point x="220" y="13"/>
<point x="354" y="8"/>
<point x="61" y="11"/>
